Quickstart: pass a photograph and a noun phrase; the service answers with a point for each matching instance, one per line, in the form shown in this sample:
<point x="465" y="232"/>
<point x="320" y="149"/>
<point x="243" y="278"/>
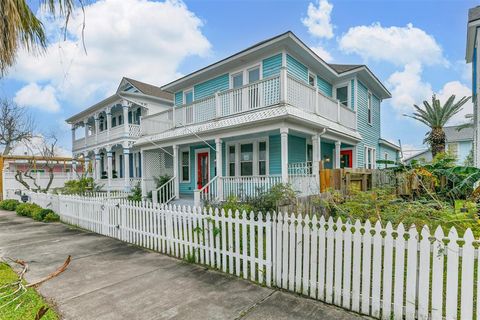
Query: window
<point x="253" y="75"/>
<point x="185" y="166"/>
<point x="231" y="161"/>
<point x="452" y="149"/>
<point x="262" y="158"/>
<point x="188" y="97"/>
<point x="342" y="95"/>
<point x="370" y="155"/>
<point x="237" y="80"/>
<point x="246" y="159"/>
<point x="311" y="79"/>
<point x="369" y="106"/>
<point x="114" y="122"/>
<point x="120" y="120"/>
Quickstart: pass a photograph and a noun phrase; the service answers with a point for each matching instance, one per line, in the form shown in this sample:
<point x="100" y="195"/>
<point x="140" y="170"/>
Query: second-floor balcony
<point x="264" y="93"/>
<point x="119" y="132"/>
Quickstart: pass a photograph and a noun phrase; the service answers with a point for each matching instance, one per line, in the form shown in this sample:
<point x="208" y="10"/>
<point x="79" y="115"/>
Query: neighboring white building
<point x="104" y="134"/>
<point x="459" y="144"/>
<point x="472" y="56"/>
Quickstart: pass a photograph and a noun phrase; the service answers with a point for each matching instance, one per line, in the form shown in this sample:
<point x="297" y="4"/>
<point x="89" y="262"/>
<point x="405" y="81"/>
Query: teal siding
<point x="271" y="66"/>
<point x="179" y="98"/>
<point x="327" y="151"/>
<point x="325" y="87"/>
<point x="189" y="187"/>
<point x="352" y="99"/>
<point x="370" y="132"/>
<point x="211" y="86"/>
<point x="296" y="69"/>
<point x="274" y="146"/>
<point x="297" y="149"/>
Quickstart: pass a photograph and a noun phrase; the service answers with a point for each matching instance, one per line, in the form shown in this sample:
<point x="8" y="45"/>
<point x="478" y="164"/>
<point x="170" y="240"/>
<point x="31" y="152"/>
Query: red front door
<point x="346" y="158"/>
<point x="202" y="169"/>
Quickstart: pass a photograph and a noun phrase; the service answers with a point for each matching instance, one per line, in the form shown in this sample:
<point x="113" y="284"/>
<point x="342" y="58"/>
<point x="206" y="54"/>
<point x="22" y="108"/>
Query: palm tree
<point x="20" y="27"/>
<point x="436" y="116"/>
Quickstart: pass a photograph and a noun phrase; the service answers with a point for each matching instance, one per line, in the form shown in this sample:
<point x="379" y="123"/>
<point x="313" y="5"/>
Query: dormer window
<point x="342" y="95"/>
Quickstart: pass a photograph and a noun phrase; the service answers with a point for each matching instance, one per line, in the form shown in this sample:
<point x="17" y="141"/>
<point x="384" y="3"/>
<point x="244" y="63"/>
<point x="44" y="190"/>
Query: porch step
<point x="183" y="202"/>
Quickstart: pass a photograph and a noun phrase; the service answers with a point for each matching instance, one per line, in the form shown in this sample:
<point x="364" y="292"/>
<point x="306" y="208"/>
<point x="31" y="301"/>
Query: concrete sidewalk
<point x="109" y="279"/>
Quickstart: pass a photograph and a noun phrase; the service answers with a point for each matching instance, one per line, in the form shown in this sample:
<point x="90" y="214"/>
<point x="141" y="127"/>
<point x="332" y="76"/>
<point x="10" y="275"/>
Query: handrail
<point x="207" y="192"/>
<point x="166" y="192"/>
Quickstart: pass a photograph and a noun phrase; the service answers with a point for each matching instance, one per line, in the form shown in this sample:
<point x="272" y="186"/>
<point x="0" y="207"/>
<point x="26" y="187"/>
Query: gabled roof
<point x="452" y="134"/>
<point x="147" y="89"/>
<point x="293" y="43"/>
<point x="341" y="68"/>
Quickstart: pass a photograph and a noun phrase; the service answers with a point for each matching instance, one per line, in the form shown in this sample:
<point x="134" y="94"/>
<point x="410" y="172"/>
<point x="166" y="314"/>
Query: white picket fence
<point x="381" y="272"/>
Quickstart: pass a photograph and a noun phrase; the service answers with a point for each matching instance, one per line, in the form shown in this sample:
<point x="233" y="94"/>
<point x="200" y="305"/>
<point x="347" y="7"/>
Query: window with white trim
<point x="185" y="166"/>
<point x="253" y="74"/>
<point x="311" y="79"/>
<point x="231" y="161"/>
<point x="246" y="159"/>
<point x="370" y="155"/>
<point x="369" y="108"/>
<point x="188" y="96"/>
<point x="262" y="158"/>
<point x="452" y="149"/>
<point x="237" y="80"/>
<point x="342" y="95"/>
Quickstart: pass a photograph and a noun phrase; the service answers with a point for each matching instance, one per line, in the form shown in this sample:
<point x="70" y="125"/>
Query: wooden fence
<point x="375" y="270"/>
<point x="347" y="179"/>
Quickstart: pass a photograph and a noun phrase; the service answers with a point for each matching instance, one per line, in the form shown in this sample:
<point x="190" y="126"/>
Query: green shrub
<point x="40" y="215"/>
<point x="28" y="209"/>
<point x="51" y="217"/>
<point x="9" y="204"/>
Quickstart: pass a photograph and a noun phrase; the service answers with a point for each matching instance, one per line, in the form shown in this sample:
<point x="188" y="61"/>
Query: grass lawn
<point x="27" y="306"/>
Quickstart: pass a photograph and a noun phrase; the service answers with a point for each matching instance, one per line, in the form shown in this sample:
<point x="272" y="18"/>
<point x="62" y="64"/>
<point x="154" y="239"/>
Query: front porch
<point x="242" y="166"/>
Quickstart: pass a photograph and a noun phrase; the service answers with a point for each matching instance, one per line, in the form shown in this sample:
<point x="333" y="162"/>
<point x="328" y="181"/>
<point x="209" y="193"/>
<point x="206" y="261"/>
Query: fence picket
<point x="357" y="261"/>
<point x="347" y="265"/>
<point x="330" y="261"/>
<point x="376" y="270"/>
<point x="306" y="256"/>
<point x="298" y="254"/>
<point x="366" y="267"/>
<point x="466" y="309"/>
<point x="387" y="273"/>
<point x="314" y="258"/>
<point x="338" y="263"/>
<point x="452" y="275"/>
<point x="437" y="275"/>
<point x="424" y="275"/>
<point x="292" y="247"/>
<point x="399" y="273"/>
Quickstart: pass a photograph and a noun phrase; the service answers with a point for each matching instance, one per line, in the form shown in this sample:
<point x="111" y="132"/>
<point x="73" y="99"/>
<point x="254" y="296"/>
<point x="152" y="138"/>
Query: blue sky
<point x="415" y="60"/>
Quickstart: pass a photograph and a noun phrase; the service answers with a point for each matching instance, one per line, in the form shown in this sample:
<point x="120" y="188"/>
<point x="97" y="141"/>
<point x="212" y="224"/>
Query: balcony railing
<point x="264" y="93"/>
<point x="117" y="132"/>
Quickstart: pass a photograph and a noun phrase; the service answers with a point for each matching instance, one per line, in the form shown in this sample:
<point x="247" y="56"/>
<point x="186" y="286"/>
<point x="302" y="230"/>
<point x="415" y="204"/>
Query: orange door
<point x="202" y="169"/>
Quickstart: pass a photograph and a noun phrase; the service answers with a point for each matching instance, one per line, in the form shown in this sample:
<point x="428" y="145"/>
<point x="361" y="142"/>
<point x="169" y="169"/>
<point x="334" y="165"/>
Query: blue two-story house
<point x="274" y="112"/>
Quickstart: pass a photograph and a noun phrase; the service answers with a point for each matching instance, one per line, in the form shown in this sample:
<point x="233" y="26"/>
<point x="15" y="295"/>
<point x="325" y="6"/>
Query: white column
<point x="97" y="173"/>
<point x="109" y="167"/>
<point x="86" y="164"/>
<point x="126" y="166"/>
<point x="219" y="160"/>
<point x="284" y="153"/>
<point x="109" y="120"/>
<point x="283" y="85"/>
<point x="97" y="127"/>
<point x="142" y="173"/>
<point x="315" y="154"/>
<point x="175" y="172"/>
<point x="74" y="165"/>
<point x="338" y="145"/>
<point x="85" y="124"/>
<point x="125" y="105"/>
<point x="74" y="127"/>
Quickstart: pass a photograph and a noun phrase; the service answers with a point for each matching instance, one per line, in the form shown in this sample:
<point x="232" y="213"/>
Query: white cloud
<point x="322" y="53"/>
<point x="407" y="88"/>
<point x="141" y="39"/>
<point x="318" y="19"/>
<point x="397" y="45"/>
<point x="459" y="90"/>
<point x="33" y="95"/>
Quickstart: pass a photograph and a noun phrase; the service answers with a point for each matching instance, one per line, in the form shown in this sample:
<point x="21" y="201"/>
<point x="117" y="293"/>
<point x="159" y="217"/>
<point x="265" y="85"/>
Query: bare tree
<point x="46" y="151"/>
<point x="16" y="125"/>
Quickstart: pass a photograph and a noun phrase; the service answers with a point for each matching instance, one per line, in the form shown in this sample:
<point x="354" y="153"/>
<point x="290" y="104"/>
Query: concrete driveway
<point x="109" y="279"/>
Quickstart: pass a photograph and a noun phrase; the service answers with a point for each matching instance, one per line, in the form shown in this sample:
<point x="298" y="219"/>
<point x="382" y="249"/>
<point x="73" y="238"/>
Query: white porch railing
<point x="303" y="179"/>
<point x="165" y="193"/>
<point x="209" y="192"/>
<point x="116" y="132"/>
<point x="248" y="186"/>
<point x="263" y="93"/>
